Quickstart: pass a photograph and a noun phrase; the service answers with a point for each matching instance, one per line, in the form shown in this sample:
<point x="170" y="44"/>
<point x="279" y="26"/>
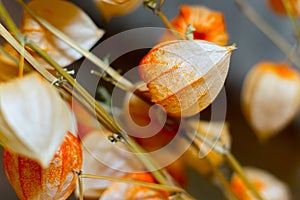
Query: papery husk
<point x="209" y="25"/>
<point x="184" y="77"/>
<point x="269" y="186"/>
<point x="33" y="118"/>
<point x="8" y="72"/>
<point x="125" y="191"/>
<point x="67" y="18"/>
<point x="279" y="8"/>
<point x="270" y="98"/>
<point x="113" y="8"/>
<point x="217" y="130"/>
<point x="101" y="157"/>
<point x="57" y="181"/>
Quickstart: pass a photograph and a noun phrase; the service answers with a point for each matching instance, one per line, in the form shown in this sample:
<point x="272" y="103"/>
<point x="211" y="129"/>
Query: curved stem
<point x="240" y="172"/>
<point x="139" y="183"/>
<point x="269" y="31"/>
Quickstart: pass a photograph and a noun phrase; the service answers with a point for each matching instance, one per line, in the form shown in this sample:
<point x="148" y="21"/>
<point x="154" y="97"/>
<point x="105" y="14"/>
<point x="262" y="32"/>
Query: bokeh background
<point x="280" y="155"/>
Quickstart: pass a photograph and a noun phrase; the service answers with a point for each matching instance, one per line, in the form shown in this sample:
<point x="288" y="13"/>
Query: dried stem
<point x="105" y="119"/>
<point x="292" y="18"/>
<point x="240" y="172"/>
<point x="269" y="31"/>
<point x="139" y="183"/>
<point x="80" y="184"/>
<point x="94" y="59"/>
<point x="90" y="102"/>
<point x="7" y="36"/>
<point x="168" y="24"/>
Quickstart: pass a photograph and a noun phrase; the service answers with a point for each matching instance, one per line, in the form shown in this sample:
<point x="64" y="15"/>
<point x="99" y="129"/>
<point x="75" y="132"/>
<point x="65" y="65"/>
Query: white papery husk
<point x="33" y="118"/>
<point x="184" y="77"/>
<point x="101" y="157"/>
<point x="272" y="187"/>
<point x="67" y="18"/>
<point x="270" y="99"/>
<point x="112" y="8"/>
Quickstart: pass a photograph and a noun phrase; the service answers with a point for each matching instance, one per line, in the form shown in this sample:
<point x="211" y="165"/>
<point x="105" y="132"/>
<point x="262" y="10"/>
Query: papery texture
<point x="184" y="77"/>
<point x="56" y="182"/>
<point x="101" y="157"/>
<point x="217" y="132"/>
<point x="33" y="118"/>
<point x="269" y="186"/>
<point x="67" y="18"/>
<point x="111" y="8"/>
<point x="130" y="191"/>
<point x="270" y="97"/>
<point x="209" y="24"/>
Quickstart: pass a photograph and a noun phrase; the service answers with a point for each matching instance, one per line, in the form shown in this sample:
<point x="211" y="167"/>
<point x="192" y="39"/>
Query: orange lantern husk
<point x="270" y="97"/>
<point x="31" y="181"/>
<point x="185" y="76"/>
<point x="129" y="191"/>
<point x="209" y="25"/>
<point x="278" y="7"/>
<point x="269" y="186"/>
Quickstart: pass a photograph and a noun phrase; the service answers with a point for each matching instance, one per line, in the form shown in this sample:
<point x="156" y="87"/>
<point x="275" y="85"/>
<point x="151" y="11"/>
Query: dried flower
<point x="267" y="184"/>
<point x="217" y="131"/>
<point x="101" y="157"/>
<point x="209" y="25"/>
<point x="67" y="18"/>
<point x="112" y="8"/>
<point x="184" y="77"/>
<point x="270" y="97"/>
<point x="31" y="181"/>
<point x="33" y="118"/>
<point x="128" y="191"/>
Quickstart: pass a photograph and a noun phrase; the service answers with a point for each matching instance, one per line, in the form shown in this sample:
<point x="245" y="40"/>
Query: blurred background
<point x="280" y="155"/>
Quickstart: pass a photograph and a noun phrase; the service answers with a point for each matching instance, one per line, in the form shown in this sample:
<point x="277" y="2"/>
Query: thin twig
<point x="105" y="119"/>
<point x="240" y="172"/>
<point x="287" y="6"/>
<point x="139" y="183"/>
<point x="168" y="24"/>
<point x="10" y="39"/>
<point x="269" y="31"/>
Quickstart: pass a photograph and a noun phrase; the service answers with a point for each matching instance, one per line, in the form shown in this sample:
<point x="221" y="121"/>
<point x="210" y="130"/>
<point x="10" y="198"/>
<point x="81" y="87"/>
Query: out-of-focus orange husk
<point x="209" y="24"/>
<point x="113" y="8"/>
<point x="211" y="130"/>
<point x="278" y="7"/>
<point x="8" y="63"/>
<point x="127" y="191"/>
<point x="267" y="185"/>
<point x="101" y="157"/>
<point x="270" y="97"/>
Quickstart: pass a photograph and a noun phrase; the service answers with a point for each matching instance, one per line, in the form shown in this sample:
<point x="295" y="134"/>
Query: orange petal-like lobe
<point x="57" y="181"/>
